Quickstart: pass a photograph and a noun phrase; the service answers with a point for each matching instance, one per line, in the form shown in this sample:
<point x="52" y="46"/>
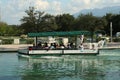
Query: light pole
<point x="111" y="31"/>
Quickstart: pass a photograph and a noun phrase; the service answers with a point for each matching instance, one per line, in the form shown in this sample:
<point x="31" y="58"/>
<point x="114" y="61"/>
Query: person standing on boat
<point x="81" y="39"/>
<point x="81" y="42"/>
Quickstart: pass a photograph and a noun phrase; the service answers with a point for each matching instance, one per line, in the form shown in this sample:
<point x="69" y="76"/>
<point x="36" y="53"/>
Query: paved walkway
<point x="13" y="47"/>
<point x="112" y="45"/>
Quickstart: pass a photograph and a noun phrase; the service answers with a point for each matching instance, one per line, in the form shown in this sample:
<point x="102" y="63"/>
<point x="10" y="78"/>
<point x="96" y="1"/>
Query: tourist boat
<point x="57" y="51"/>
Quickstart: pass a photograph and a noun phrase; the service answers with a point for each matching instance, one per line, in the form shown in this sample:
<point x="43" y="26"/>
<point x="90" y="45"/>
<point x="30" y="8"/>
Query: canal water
<point x="105" y="66"/>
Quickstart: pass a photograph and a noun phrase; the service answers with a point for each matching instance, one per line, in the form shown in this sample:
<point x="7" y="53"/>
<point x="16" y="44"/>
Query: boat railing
<point x="39" y="48"/>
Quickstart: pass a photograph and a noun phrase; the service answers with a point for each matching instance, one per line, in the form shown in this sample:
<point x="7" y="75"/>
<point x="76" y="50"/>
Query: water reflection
<point x="70" y="68"/>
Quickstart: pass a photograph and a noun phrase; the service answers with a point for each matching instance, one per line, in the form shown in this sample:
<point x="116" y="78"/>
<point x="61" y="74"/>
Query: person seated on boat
<point x="57" y="46"/>
<point x="52" y="46"/>
<point x="72" y="45"/>
<point x="39" y="45"/>
<point x="30" y="48"/>
<point x="62" y="46"/>
<point x="68" y="46"/>
<point x="46" y="46"/>
<point x="34" y="46"/>
<point x="94" y="46"/>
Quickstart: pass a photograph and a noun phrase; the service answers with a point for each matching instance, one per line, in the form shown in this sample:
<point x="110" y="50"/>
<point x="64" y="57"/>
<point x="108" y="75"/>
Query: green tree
<point x="37" y="21"/>
<point x="9" y="30"/>
<point x="65" y="22"/>
<point x="90" y="23"/>
<point x="115" y="23"/>
<point x="115" y="19"/>
<point x="14" y="30"/>
<point x="108" y="18"/>
<point x="31" y="22"/>
<point x="48" y="23"/>
<point x="3" y="28"/>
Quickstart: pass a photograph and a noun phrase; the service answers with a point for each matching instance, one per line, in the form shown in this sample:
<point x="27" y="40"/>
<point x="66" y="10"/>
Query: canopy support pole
<point x="35" y="41"/>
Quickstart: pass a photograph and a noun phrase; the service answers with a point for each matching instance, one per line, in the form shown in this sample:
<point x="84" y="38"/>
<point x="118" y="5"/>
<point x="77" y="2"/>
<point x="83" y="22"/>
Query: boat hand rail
<point x="38" y="48"/>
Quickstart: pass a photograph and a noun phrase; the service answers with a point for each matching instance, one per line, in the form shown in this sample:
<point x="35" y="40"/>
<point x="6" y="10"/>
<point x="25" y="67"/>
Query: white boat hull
<point x="58" y="52"/>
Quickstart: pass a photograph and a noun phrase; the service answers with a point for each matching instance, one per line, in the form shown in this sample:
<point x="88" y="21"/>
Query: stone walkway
<point x="13" y="47"/>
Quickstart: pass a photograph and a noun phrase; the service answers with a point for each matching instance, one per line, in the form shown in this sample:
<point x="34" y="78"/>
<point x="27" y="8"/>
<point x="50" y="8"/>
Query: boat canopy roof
<point x="61" y="33"/>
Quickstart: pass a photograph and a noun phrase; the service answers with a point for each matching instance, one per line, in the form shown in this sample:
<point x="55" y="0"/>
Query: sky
<point x="11" y="11"/>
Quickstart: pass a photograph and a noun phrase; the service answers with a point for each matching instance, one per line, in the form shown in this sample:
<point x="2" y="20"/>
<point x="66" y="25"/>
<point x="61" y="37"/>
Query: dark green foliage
<point x="7" y="41"/>
<point x="30" y="41"/>
<point x="116" y="23"/>
<point x="37" y="21"/>
<point x="23" y="41"/>
<point x="90" y="23"/>
<point x="26" y="41"/>
<point x="65" y="22"/>
<point x="116" y="39"/>
<point x="115" y="19"/>
<point x="31" y="22"/>
<point x="48" y="23"/>
<point x="9" y="30"/>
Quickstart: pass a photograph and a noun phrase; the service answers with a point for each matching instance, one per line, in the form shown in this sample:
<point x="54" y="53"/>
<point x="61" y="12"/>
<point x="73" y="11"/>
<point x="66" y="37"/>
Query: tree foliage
<point x="48" y="23"/>
<point x="37" y="21"/>
<point x="8" y="30"/>
<point x="65" y="22"/>
<point x="115" y="19"/>
<point x="115" y="23"/>
<point x="90" y="23"/>
<point x="31" y="22"/>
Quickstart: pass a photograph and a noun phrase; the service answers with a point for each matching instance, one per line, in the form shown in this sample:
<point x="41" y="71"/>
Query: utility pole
<point x="111" y="31"/>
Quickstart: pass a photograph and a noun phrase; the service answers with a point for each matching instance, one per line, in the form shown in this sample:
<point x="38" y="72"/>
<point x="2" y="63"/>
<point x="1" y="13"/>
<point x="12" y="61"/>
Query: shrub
<point x="116" y="39"/>
<point x="23" y="36"/>
<point x="26" y="41"/>
<point x="30" y="41"/>
<point x="7" y="41"/>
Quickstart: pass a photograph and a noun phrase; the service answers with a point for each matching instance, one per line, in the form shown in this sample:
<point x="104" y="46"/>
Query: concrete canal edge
<point x="12" y="48"/>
